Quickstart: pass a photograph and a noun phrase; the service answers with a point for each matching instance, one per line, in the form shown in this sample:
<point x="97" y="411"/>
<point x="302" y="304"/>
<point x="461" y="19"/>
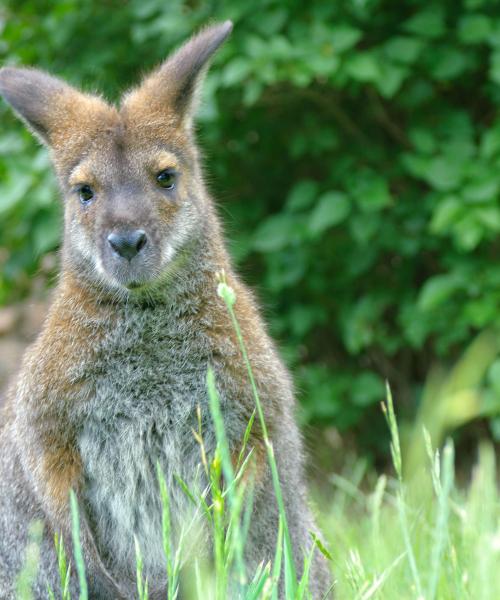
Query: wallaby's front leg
<point x="52" y="464"/>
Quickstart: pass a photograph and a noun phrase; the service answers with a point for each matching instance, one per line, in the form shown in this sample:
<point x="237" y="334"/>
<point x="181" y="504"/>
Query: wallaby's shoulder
<point x="70" y="333"/>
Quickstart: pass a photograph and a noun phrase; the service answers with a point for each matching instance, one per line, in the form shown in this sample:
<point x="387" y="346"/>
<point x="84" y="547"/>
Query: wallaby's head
<point x="130" y="176"/>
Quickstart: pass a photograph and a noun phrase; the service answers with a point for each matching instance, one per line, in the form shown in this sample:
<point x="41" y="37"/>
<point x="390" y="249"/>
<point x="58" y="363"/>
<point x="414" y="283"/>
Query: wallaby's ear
<point x="173" y="87"/>
<point x="33" y="95"/>
<point x="46" y="104"/>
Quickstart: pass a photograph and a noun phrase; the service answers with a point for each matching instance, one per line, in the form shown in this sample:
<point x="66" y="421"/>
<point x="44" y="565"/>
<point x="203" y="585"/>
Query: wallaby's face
<point x="132" y="187"/>
<point x="133" y="200"/>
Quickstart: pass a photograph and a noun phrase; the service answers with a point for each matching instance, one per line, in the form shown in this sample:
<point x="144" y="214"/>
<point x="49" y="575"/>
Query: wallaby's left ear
<point x="173" y="87"/>
<point x="33" y="95"/>
<point x="51" y="108"/>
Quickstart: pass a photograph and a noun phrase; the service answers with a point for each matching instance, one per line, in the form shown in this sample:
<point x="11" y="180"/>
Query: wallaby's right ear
<point x="40" y="100"/>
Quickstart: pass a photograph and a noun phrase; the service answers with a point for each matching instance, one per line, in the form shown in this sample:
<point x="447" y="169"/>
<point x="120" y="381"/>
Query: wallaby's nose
<point x="128" y="243"/>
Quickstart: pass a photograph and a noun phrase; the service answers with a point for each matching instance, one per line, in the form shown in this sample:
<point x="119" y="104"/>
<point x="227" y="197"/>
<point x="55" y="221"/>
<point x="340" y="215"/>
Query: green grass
<point x="415" y="534"/>
<point x="428" y="539"/>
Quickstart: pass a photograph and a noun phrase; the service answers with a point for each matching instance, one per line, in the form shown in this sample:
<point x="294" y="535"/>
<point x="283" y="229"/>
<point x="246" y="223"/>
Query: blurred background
<point x="353" y="148"/>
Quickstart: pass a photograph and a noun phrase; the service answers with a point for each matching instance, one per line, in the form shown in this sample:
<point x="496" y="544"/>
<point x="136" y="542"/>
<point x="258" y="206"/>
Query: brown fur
<point x="62" y="470"/>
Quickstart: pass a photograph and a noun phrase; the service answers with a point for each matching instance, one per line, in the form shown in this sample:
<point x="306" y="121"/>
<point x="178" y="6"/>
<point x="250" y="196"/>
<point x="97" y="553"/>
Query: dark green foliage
<point x="354" y="148"/>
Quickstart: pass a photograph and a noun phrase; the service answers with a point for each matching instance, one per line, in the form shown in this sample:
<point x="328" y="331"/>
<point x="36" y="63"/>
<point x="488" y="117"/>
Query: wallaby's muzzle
<point x="127" y="244"/>
<point x="131" y="257"/>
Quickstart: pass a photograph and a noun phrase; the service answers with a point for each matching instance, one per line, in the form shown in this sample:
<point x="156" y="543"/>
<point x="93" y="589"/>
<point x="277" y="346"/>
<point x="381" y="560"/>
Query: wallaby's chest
<point x="146" y="383"/>
<point x="147" y="364"/>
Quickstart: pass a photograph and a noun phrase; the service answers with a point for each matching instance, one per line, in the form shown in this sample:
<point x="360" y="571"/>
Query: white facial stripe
<point x="80" y="240"/>
<point x="167" y="252"/>
<point x="182" y="227"/>
<point x="99" y="266"/>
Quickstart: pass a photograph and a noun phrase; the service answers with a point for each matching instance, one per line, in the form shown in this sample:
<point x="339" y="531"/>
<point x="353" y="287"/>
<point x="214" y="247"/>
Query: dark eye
<point x="166" y="179"/>
<point x="86" y="194"/>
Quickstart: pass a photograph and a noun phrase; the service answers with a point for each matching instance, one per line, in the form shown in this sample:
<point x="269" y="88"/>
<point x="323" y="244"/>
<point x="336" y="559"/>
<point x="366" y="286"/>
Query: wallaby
<point x="112" y="384"/>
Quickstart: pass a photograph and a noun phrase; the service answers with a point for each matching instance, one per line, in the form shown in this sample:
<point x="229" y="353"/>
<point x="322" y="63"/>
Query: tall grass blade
<point x="390" y="415"/>
<point x="27" y="575"/>
<point x="229" y="298"/>
<point x="376" y="504"/>
<point x="167" y="534"/>
<point x="278" y="557"/>
<point x="257" y="589"/>
<point x="380" y="580"/>
<point x="441" y="530"/>
<point x="388" y="410"/>
<point x="303" y="586"/>
<point x="228" y="472"/>
<point x="64" y="567"/>
<point x="77" y="546"/>
<point x="142" y="585"/>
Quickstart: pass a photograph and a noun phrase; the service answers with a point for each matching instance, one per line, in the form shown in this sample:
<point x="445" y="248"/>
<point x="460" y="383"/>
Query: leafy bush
<point x="355" y="150"/>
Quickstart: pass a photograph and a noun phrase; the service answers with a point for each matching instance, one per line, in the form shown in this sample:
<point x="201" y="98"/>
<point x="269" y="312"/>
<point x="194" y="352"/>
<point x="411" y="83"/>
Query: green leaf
<point x="367" y="389"/>
<point x="415" y="164"/>
<point x="495" y="428"/>
<point x="494" y="71"/>
<point x="363" y="66"/>
<point x="344" y="37"/>
<point x="371" y="192"/>
<point x="236" y="71"/>
<point x="323" y="65"/>
<point x="448" y="63"/>
<point x="429" y="22"/>
<point x="483" y="190"/>
<point x="302" y="195"/>
<point x="252" y="92"/>
<point x="363" y="227"/>
<point x="468" y="233"/>
<point x="45" y="233"/>
<point x="404" y="49"/>
<point x="437" y="290"/>
<point x="447" y="211"/>
<point x="359" y="323"/>
<point x="391" y="79"/>
<point x="490" y="141"/>
<point x="332" y="208"/>
<point x="494" y="376"/>
<point x="474" y="29"/>
<point x="444" y="173"/>
<point x="303" y="318"/>
<point x="277" y="232"/>
<point x="274" y="21"/>
<point x="423" y="139"/>
<point x="489" y="217"/>
<point x="14" y="191"/>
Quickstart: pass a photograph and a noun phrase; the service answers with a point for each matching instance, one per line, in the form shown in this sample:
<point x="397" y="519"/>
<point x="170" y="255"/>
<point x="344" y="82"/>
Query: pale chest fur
<point x="145" y="384"/>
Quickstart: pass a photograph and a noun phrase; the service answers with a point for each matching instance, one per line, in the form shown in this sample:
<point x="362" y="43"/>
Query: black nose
<point x="128" y="243"/>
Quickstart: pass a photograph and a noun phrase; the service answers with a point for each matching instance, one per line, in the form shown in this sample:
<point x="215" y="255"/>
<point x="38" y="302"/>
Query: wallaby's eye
<point x="86" y="194"/>
<point x="166" y="179"/>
